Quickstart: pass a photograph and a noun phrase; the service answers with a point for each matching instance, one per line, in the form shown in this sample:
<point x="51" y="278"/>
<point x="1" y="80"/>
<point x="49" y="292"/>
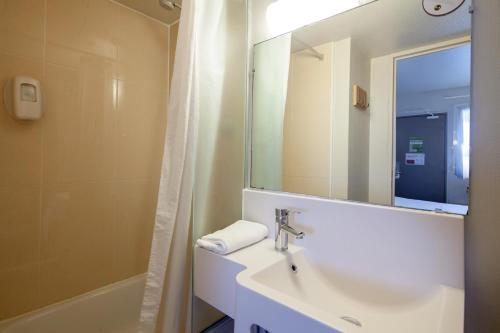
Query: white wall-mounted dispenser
<point x="23" y="98"/>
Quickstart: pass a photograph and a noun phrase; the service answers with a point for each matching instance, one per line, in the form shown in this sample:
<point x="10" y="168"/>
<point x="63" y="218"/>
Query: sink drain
<point x="294" y="268"/>
<point x="352" y="320"/>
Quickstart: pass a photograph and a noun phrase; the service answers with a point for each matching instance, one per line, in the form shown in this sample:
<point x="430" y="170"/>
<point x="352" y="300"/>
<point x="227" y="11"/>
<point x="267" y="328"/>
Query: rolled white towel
<point x="234" y="237"/>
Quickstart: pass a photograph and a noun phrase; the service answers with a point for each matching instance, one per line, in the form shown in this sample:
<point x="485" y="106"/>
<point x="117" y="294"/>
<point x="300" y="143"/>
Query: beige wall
<point x="307" y="124"/>
<point x="359" y="129"/>
<point x="350" y="137"/>
<point x="316" y="136"/>
<point x="326" y="139"/>
<point x="340" y="118"/>
<point x="482" y="226"/>
<point x="78" y="188"/>
<point x="381" y="131"/>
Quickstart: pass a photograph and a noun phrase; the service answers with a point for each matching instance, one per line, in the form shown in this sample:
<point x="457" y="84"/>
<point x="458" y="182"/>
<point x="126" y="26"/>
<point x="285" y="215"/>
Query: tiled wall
<point x="78" y="188"/>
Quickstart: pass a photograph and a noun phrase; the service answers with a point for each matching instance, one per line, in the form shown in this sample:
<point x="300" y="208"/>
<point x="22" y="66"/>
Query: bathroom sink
<point x="300" y="290"/>
<point x="313" y="298"/>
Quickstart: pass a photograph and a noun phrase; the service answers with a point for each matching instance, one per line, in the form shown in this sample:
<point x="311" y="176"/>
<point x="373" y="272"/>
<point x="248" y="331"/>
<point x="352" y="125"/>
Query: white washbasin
<point x="257" y="285"/>
<point x="335" y="299"/>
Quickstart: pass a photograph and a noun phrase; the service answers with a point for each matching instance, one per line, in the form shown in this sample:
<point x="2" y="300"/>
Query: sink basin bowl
<point x="338" y="302"/>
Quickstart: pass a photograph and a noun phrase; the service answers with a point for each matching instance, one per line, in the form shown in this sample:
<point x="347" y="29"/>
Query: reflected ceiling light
<point x="441" y="7"/>
<point x="286" y="15"/>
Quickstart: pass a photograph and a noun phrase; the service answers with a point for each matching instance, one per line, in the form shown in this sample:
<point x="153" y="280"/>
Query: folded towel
<point x="234" y="237"/>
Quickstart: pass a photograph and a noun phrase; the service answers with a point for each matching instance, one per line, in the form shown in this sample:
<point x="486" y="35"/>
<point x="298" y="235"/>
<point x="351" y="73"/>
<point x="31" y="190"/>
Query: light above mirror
<point x="286" y="15"/>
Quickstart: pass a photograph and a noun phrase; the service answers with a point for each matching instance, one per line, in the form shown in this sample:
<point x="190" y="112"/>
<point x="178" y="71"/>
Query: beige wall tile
<point x="19" y="226"/>
<point x="75" y="216"/>
<point x="77" y="239"/>
<point x="19" y="289"/>
<point x="85" y="25"/>
<point x="80" y="122"/>
<point x="135" y="204"/>
<point x="21" y="28"/>
<point x="140" y="135"/>
<point x="137" y="38"/>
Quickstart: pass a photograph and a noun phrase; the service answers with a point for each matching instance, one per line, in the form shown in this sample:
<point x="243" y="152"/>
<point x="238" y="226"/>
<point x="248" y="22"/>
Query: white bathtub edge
<point x="82" y="298"/>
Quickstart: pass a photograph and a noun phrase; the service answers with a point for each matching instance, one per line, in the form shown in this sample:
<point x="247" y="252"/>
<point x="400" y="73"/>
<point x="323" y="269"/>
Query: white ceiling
<point x="153" y="9"/>
<point x="440" y="70"/>
<point x="434" y="82"/>
<point x="387" y="26"/>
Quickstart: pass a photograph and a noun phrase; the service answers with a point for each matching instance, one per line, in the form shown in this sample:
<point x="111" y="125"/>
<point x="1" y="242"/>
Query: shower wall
<point x="78" y="188"/>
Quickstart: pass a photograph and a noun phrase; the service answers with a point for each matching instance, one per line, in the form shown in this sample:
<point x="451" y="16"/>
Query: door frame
<point x="395" y="57"/>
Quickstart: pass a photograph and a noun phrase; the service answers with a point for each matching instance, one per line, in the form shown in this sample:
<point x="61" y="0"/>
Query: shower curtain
<point x="166" y="302"/>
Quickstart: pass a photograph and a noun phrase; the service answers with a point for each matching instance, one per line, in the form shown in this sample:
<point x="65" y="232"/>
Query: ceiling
<point x="433" y="83"/>
<point x="440" y="70"/>
<point x="387" y="26"/>
<point x="153" y="9"/>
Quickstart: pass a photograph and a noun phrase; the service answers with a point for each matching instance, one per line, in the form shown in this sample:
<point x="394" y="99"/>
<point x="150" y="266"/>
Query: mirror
<point x="370" y="105"/>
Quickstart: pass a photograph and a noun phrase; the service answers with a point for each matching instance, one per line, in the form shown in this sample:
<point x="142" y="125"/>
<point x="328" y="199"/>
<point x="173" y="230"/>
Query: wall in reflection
<point x="320" y="145"/>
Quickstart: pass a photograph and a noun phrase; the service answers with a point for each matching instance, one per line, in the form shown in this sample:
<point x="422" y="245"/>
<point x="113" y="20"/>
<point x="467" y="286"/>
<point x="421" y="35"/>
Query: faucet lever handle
<point x="281" y="212"/>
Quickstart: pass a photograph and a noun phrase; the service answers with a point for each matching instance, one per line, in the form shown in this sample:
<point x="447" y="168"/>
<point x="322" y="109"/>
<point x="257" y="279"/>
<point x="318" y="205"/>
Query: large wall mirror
<point x="369" y="105"/>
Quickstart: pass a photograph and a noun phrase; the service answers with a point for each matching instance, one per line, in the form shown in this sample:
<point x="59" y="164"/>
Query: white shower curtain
<point x="166" y="300"/>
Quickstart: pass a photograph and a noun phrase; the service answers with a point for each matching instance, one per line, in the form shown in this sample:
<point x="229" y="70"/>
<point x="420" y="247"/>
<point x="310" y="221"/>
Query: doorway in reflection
<point x="432" y="130"/>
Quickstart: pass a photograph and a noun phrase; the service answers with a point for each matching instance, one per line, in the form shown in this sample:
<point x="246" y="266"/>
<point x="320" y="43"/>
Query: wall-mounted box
<point x="359" y="97"/>
<point x="23" y="98"/>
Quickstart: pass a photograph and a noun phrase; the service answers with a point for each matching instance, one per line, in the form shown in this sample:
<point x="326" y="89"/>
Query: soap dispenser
<point x="23" y="98"/>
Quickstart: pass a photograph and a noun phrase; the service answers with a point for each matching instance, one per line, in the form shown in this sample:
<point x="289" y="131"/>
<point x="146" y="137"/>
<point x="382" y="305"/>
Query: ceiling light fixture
<point x="441" y="7"/>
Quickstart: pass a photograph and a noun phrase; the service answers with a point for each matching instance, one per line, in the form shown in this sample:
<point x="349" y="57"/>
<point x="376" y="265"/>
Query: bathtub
<point x="112" y="309"/>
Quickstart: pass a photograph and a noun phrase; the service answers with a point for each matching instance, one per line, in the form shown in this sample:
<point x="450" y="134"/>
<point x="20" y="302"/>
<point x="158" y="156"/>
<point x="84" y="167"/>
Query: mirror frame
<point x="406" y="54"/>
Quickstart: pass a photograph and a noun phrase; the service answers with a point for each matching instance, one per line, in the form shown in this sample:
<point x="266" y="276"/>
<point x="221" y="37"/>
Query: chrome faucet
<point x="283" y="229"/>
